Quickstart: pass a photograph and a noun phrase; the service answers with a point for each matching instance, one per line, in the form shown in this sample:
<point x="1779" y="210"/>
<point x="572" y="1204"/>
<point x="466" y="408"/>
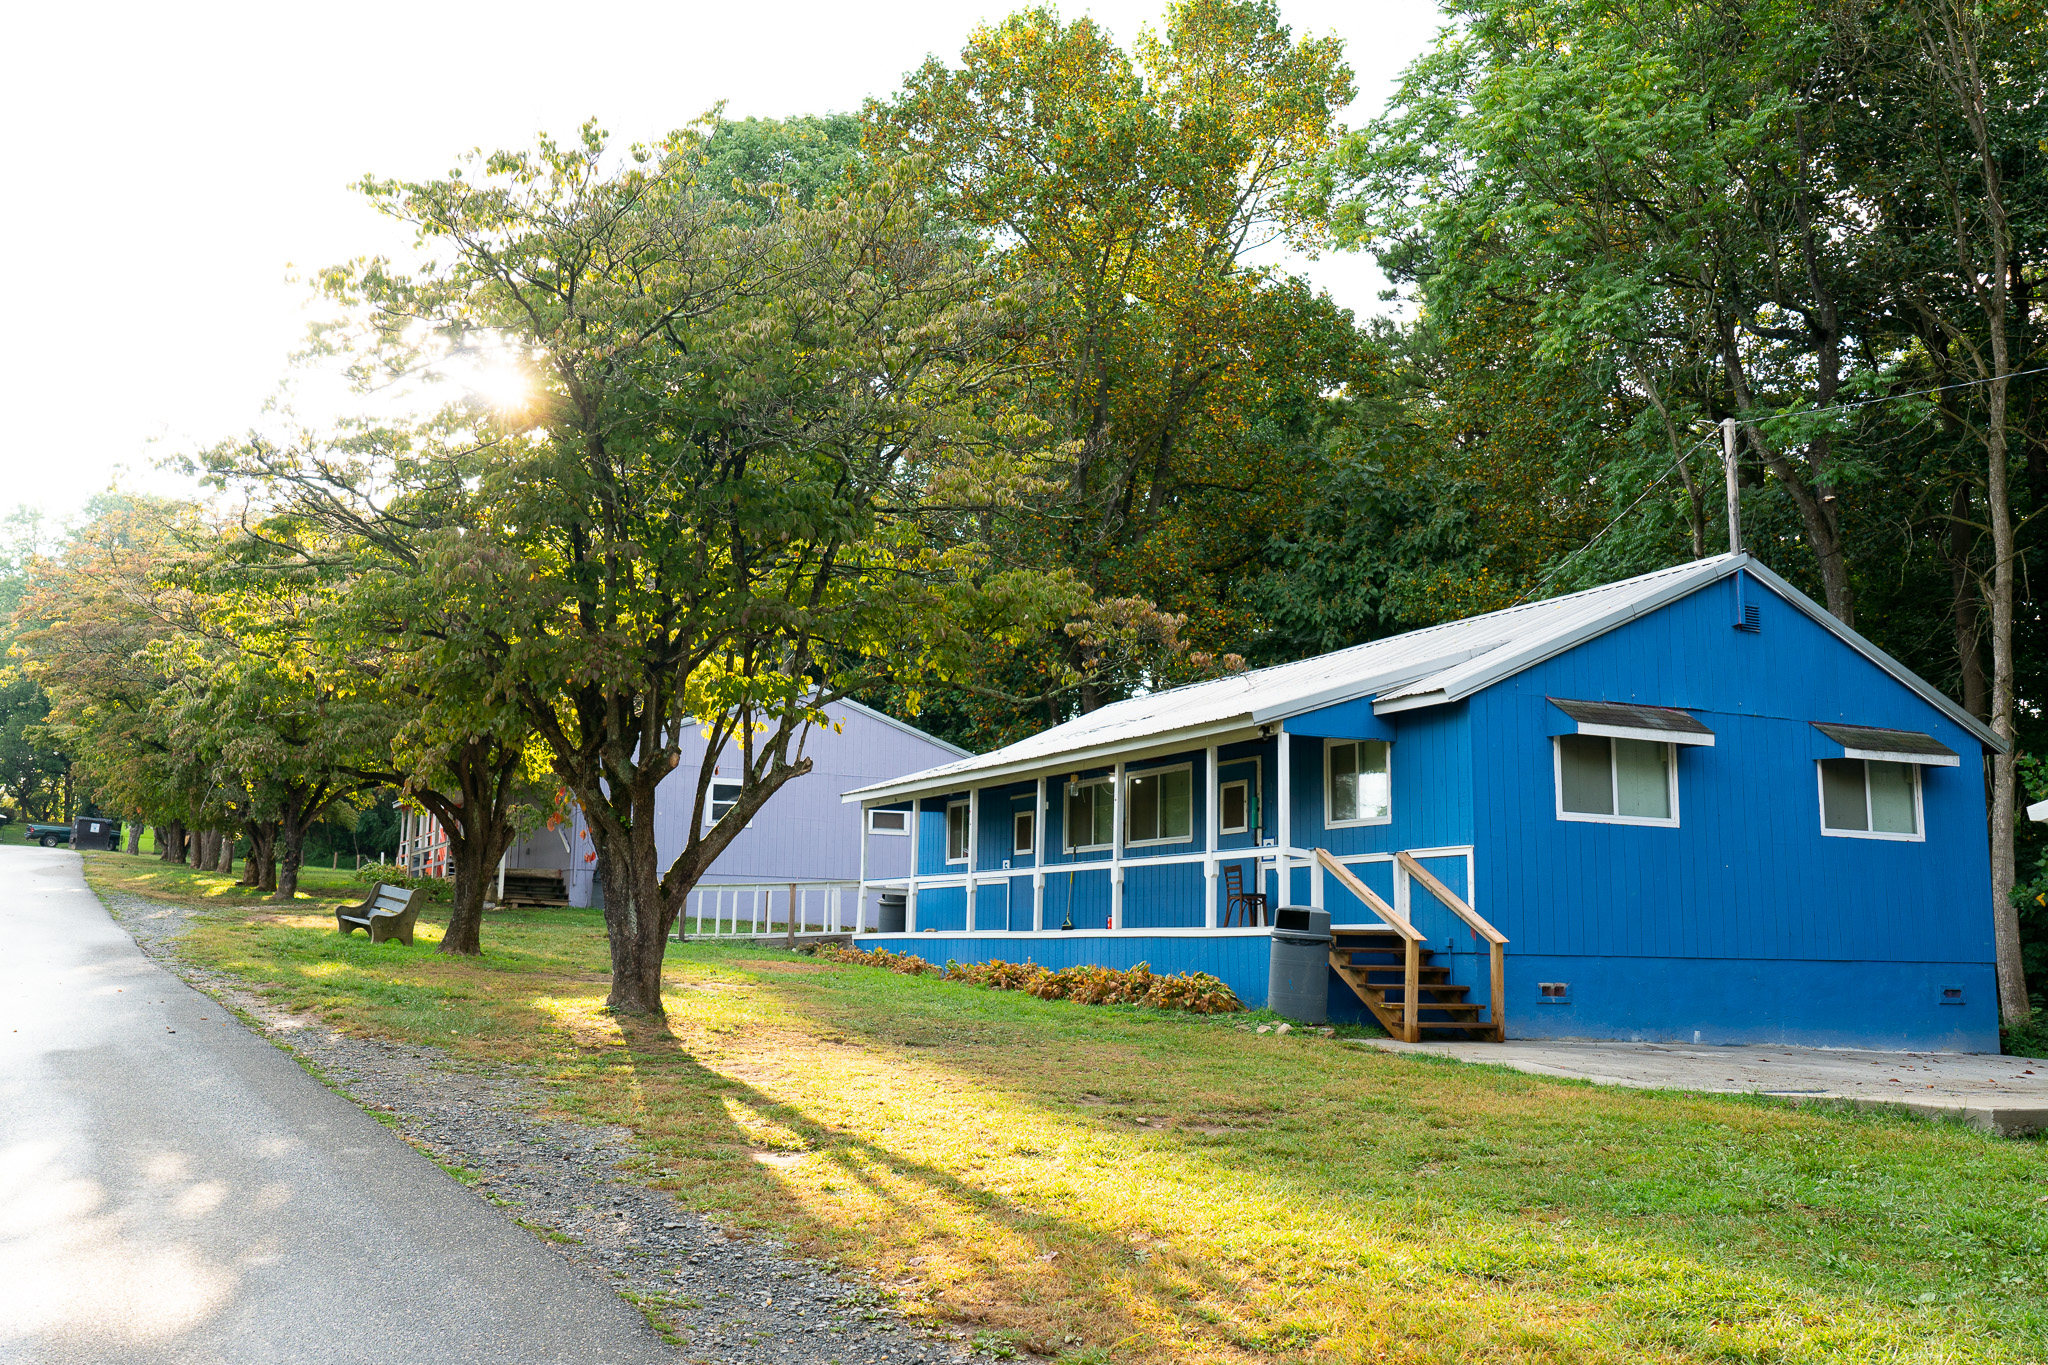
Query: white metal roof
<point x="1421" y="668"/>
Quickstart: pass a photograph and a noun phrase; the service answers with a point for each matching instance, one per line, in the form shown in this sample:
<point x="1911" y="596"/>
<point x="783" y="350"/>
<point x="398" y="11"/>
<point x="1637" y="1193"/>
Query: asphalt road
<point x="175" y="1189"/>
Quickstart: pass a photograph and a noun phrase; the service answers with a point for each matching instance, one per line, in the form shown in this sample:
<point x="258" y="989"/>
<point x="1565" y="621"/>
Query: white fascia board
<point x="1652" y="736"/>
<point x="2038" y="812"/>
<point x="1894" y="756"/>
<point x="1094" y="756"/>
<point x="1929" y="693"/>
<point x="1413" y="702"/>
<point x="1366" y="687"/>
<point x="1509" y="664"/>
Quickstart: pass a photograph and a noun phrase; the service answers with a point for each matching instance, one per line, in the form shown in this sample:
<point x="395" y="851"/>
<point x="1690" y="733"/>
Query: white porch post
<point x="1116" y="846"/>
<point x="973" y="848"/>
<point x="1212" y="824"/>
<point x="1284" y="864"/>
<point x="910" y="891"/>
<point x="1038" y="862"/>
<point x="860" y="901"/>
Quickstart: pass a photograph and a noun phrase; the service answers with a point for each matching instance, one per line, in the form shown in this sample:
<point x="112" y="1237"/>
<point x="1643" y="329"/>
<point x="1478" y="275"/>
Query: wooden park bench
<point x="387" y="914"/>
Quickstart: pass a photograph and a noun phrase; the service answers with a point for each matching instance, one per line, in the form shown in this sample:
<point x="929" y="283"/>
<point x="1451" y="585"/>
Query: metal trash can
<point x="1298" y="981"/>
<point x="894" y="912"/>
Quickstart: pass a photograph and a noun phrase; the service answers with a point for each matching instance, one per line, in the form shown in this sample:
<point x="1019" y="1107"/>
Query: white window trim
<point x="903" y="833"/>
<point x="1919" y="807"/>
<point x="1329" y="805"/>
<point x="710" y="801"/>
<point x="1582" y="817"/>
<point x="1222" y="787"/>
<point x="952" y="806"/>
<point x="1189" y="769"/>
<point x="1066" y="832"/>
<point x="1018" y="850"/>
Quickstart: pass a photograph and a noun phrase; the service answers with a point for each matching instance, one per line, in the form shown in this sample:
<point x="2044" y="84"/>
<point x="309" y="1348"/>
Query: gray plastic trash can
<point x="895" y="912"/>
<point x="1298" y="982"/>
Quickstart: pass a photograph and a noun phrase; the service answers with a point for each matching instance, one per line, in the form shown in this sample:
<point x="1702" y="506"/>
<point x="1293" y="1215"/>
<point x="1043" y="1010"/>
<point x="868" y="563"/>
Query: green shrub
<point x="386" y="874"/>
<point x="907" y="963"/>
<point x="2026" y="1040"/>
<point x="1196" y="992"/>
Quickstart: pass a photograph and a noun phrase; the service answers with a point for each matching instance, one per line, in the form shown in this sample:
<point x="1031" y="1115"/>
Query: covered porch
<point x="1181" y="855"/>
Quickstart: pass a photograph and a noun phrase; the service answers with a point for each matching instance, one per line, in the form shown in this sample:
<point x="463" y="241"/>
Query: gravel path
<point x="716" y="1296"/>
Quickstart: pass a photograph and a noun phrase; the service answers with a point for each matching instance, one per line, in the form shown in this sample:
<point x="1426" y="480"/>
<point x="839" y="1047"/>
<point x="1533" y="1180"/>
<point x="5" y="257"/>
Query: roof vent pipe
<point x="1734" y="491"/>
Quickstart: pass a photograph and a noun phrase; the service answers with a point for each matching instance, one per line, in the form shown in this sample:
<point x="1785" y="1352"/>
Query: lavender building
<point x="803" y="836"/>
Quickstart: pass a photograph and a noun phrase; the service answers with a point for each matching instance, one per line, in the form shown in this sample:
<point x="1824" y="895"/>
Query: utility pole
<point x="1734" y="489"/>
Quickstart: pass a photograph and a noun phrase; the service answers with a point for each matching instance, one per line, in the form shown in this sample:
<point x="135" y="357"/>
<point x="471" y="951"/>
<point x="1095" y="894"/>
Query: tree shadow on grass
<point x="1378" y="1242"/>
<point x="1034" y="1276"/>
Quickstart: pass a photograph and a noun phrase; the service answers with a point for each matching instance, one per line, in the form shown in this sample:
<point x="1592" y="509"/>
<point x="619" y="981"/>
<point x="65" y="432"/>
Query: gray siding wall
<point x="804" y="833"/>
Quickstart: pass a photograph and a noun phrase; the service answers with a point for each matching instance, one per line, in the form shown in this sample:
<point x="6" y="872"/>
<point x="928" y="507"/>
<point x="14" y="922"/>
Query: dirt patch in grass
<point x="1286" y="1197"/>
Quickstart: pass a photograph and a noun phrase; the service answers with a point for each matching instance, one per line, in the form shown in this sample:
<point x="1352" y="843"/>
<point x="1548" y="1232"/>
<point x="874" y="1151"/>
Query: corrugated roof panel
<point x="1450" y="661"/>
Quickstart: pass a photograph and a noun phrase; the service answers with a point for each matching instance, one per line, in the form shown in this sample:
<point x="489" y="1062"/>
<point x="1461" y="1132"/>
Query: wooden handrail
<point x="1450" y="898"/>
<point x="1350" y="882"/>
<point x="1496" y="941"/>
<point x="1411" y="943"/>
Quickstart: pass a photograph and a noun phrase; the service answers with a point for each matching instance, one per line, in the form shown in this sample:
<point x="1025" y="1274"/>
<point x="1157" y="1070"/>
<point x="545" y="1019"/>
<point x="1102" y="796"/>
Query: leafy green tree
<point x="709" y="512"/>
<point x="813" y="158"/>
<point x="1145" y="437"/>
<point x="1796" y="217"/>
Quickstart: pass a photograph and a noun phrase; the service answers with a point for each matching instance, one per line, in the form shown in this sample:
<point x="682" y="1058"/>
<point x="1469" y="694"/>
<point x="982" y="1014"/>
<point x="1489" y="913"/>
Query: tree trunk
<point x="227" y="852"/>
<point x="171" y="842"/>
<point x="252" y="866"/>
<point x="1952" y="43"/>
<point x="473" y="858"/>
<point x="1965" y="607"/>
<point x="2016" y="1006"/>
<point x="260" y="868"/>
<point x="291" y="854"/>
<point x="634" y="918"/>
<point x="135" y="836"/>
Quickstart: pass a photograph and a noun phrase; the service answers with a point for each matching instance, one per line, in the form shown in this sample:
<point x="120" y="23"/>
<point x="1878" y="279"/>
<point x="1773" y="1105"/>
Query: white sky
<point x="172" y="167"/>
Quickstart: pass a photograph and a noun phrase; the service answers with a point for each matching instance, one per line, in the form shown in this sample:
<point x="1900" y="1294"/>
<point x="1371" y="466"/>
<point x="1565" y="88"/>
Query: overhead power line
<point x="1754" y="421"/>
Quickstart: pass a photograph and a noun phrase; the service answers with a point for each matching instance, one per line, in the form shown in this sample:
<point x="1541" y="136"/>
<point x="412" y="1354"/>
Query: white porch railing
<point x="1274" y="862"/>
<point x="762" y="909"/>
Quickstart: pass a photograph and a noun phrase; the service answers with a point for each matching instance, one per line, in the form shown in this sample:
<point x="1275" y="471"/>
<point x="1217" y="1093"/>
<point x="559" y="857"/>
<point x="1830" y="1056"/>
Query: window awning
<point x="1625" y="720"/>
<point x="1890" y="746"/>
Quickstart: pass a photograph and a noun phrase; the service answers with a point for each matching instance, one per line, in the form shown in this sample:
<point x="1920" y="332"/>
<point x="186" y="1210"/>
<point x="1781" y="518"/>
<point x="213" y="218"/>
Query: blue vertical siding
<point x="1020" y="905"/>
<point x="1742" y="923"/>
<point x="1746" y="877"/>
<point x="942" y="907"/>
<point x="1167" y="897"/>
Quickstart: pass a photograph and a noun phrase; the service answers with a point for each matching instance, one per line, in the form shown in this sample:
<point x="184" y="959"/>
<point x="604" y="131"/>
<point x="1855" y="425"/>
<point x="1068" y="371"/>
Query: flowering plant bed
<point x="1196" y="992"/>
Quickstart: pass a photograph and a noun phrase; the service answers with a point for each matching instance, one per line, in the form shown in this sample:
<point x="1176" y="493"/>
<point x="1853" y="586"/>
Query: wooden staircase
<point x="1387" y="966"/>
<point x="1373" y="963"/>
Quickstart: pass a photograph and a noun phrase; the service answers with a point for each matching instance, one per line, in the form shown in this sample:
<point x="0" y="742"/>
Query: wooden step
<point x="1486" y="1032"/>
<point x="1390" y="977"/>
<point x="1423" y="963"/>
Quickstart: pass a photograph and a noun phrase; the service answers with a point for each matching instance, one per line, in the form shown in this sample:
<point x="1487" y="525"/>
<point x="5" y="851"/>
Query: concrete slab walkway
<point x="175" y="1190"/>
<point x="2005" y="1095"/>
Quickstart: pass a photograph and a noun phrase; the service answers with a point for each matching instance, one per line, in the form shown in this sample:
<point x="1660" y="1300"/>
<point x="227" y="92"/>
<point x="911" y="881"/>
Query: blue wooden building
<point x="1687" y="806"/>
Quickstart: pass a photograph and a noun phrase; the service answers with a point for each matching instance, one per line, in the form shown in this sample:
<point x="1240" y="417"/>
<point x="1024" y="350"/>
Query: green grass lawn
<point x="1114" y="1183"/>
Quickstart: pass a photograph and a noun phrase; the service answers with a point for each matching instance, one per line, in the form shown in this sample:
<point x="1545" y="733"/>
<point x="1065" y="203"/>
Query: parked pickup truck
<point x="49" y="836"/>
